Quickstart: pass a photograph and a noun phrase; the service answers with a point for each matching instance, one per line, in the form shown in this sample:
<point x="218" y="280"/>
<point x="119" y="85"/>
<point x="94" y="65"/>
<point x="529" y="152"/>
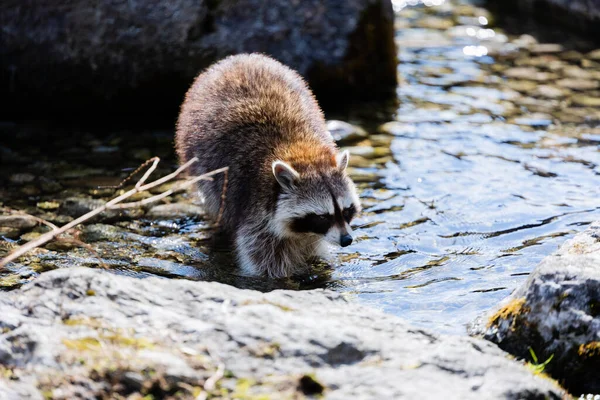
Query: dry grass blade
<point x="115" y="203"/>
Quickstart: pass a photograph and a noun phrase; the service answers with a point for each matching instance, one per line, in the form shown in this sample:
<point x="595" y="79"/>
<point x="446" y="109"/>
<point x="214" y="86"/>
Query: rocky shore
<point x="85" y="333"/>
<point x="556" y="315"/>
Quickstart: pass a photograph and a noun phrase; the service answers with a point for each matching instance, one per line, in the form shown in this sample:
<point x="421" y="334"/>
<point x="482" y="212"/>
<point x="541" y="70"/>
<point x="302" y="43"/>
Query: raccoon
<point x="288" y="193"/>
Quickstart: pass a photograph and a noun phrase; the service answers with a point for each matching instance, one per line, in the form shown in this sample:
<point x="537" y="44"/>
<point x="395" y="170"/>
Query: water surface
<point x="489" y="161"/>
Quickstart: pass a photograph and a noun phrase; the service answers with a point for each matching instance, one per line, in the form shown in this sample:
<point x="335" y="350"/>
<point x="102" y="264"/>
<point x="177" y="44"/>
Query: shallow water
<point x="489" y="162"/>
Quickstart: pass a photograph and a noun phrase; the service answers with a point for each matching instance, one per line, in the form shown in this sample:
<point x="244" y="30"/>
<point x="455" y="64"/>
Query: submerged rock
<point x="556" y="314"/>
<point x="344" y="133"/>
<point x="94" y="334"/>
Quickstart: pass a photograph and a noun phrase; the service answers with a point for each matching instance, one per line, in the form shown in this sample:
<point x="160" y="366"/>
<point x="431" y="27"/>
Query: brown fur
<point x="246" y="112"/>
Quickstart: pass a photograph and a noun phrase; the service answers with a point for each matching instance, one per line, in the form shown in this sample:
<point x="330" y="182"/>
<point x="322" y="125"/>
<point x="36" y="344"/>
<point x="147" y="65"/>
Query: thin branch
<point x="131" y="175"/>
<point x="113" y="204"/>
<point x="148" y="173"/>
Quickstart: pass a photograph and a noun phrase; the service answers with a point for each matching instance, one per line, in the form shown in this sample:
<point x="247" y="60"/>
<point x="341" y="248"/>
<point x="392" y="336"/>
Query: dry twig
<point x="115" y="203"/>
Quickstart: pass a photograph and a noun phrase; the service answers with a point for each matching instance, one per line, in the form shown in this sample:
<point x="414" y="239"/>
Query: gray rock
<point x="557" y="314"/>
<point x="142" y="55"/>
<point x="20" y="222"/>
<point x="94" y="334"/>
<point x="77" y="206"/>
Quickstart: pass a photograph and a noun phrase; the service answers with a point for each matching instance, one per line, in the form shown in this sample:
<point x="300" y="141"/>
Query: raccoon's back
<point x="237" y="114"/>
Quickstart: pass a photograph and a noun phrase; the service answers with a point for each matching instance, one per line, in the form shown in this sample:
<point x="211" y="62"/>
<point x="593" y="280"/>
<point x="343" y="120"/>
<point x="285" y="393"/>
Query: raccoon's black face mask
<point x="317" y="205"/>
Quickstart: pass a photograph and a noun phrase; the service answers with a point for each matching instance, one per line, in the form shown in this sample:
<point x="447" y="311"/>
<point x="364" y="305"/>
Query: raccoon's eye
<point x="316" y="223"/>
<point x="349" y="213"/>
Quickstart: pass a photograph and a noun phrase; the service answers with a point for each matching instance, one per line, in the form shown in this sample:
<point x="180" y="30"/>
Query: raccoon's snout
<point x="345" y="240"/>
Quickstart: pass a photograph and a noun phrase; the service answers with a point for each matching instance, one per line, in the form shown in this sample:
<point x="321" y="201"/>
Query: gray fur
<point x="248" y="112"/>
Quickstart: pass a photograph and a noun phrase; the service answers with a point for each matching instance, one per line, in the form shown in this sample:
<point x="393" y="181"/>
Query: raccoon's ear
<point x="285" y="174"/>
<point x="342" y="160"/>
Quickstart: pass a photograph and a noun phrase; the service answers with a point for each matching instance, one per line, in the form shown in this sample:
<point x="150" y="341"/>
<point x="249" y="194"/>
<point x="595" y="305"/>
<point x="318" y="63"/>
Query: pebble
<point x="550" y="92"/>
<point x="19" y="222"/>
<point x="398" y="128"/>
<point x="344" y="132"/>
<point x="594" y="55"/>
<point x="578" y="84"/>
<point x="586" y="101"/>
<point x="48" y="205"/>
<point x="578" y="73"/>
<point x="529" y="73"/>
<point x="546" y="48"/>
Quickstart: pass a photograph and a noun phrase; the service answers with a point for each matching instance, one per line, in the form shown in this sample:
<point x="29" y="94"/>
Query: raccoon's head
<point x="316" y="203"/>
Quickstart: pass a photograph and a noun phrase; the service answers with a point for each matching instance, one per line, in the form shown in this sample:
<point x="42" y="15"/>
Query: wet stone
<point x="101" y="232"/>
<point x="344" y="132"/>
<point x="77" y="206"/>
<point x="546" y="48"/>
<point x="30" y="236"/>
<point x="578" y="84"/>
<point x="549" y="92"/>
<point x="577" y="73"/>
<point x="586" y="101"/>
<point x="594" y="55"/>
<point x="398" y="128"/>
<point x="48" y="205"/>
<point x="21" y="178"/>
<point x="19" y="222"/>
<point x="521" y="85"/>
<point x="435" y="23"/>
<point x="529" y="73"/>
<point x="9" y="232"/>
<point x="175" y="211"/>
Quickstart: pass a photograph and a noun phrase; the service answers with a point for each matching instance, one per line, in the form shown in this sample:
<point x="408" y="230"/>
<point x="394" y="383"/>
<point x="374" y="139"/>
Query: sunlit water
<point x="481" y="171"/>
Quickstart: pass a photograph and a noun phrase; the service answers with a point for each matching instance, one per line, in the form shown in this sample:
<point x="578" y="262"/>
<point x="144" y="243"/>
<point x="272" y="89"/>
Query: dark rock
<point x="582" y="15"/>
<point x="557" y="314"/>
<point x="20" y="222"/>
<point x="77" y="206"/>
<point x="138" y="56"/>
<point x="94" y="333"/>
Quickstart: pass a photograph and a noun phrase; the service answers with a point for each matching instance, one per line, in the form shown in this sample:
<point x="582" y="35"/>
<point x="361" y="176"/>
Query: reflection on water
<point x="489" y="163"/>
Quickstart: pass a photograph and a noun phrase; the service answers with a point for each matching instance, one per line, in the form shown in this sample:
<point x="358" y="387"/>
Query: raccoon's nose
<point x="345" y="240"/>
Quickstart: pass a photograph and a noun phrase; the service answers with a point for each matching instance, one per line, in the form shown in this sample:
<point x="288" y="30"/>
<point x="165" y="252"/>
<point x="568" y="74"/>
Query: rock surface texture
<point x="141" y="55"/>
<point x="557" y="314"/>
<point x="87" y="333"/>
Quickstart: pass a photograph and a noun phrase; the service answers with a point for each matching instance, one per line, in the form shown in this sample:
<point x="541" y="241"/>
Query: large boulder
<point x="556" y="315"/>
<point x="82" y="333"/>
<point x="131" y="56"/>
